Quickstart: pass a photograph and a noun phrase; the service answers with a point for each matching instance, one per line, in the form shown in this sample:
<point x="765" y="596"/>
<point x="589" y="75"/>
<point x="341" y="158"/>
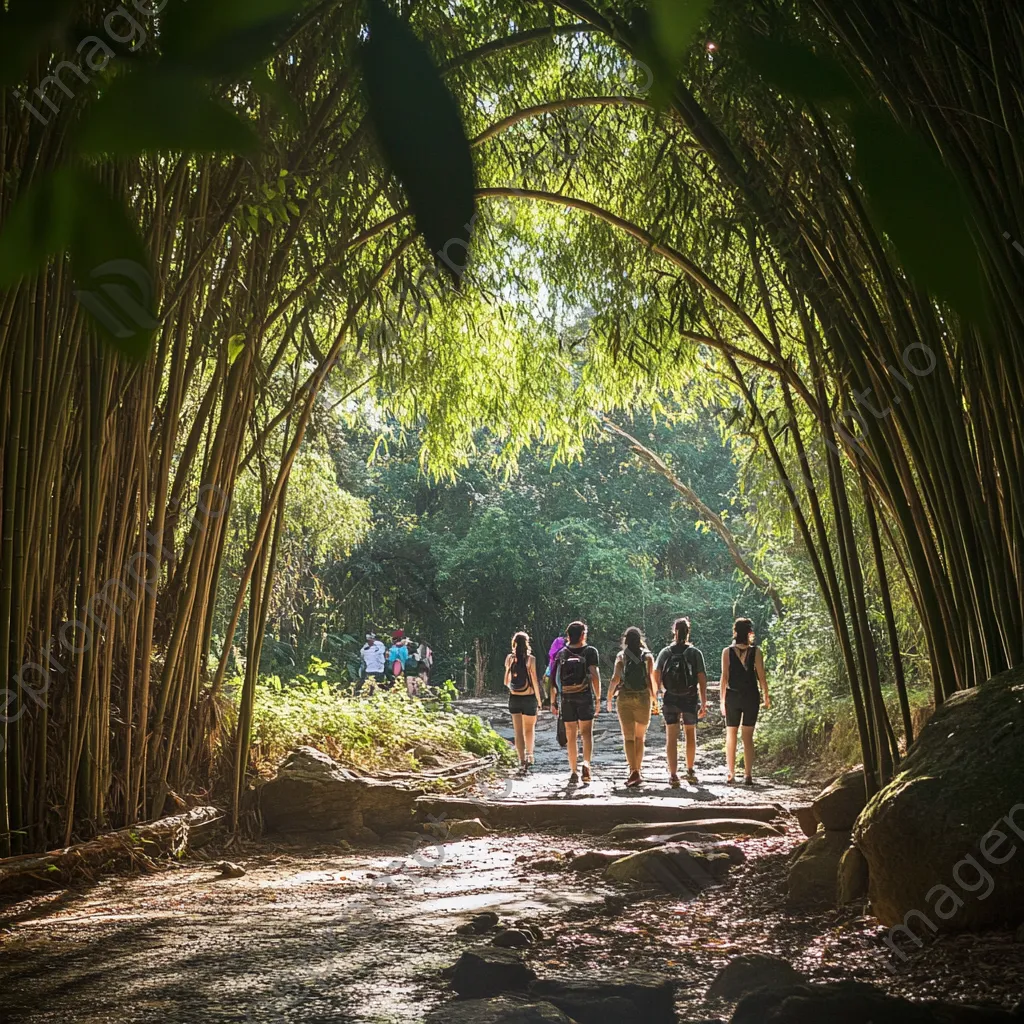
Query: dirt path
<point x="340" y="936"/>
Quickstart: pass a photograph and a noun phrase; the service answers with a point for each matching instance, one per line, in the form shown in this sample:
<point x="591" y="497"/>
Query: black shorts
<point x="578" y="707"/>
<point x="675" y="710"/>
<point x="741" y="708"/>
<point x="523" y="704"/>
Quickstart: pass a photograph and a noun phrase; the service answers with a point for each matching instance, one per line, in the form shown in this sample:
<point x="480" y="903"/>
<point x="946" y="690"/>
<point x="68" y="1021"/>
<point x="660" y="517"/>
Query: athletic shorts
<point x="679" y="712"/>
<point x="522" y="704"/>
<point x="578" y="707"/>
<point x="741" y="708"/>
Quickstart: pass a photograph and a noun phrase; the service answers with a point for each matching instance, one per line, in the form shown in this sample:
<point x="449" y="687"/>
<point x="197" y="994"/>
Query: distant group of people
<point x="407" y="662"/>
<point x="677" y="675"/>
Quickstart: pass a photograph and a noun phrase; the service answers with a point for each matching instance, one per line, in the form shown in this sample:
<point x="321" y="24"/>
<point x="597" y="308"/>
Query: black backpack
<point x="679" y="675"/>
<point x="574" y="674"/>
<point x="520" y="677"/>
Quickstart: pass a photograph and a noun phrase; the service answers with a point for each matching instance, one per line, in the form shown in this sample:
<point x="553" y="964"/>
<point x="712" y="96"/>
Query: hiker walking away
<point x="425" y="657"/>
<point x="742" y="687"/>
<point x="412" y="669"/>
<point x="633" y="682"/>
<point x="577" y="681"/>
<point x="680" y="673"/>
<point x="371" y="658"/>
<point x="523" y="696"/>
<point x="398" y="655"/>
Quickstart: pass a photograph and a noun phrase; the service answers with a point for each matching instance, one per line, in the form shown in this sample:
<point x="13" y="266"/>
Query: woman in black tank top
<point x="523" y="696"/>
<point x="743" y="683"/>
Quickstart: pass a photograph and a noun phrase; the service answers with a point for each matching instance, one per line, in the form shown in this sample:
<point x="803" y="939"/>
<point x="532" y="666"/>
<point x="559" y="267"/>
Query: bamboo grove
<point x="724" y="250"/>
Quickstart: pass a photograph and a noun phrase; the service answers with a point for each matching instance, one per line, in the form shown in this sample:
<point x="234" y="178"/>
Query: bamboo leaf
<point x="916" y="200"/>
<point x="153" y="110"/>
<point x="420" y="133"/>
<point x="112" y="272"/>
<point x="228" y="36"/>
<point x="39" y="225"/>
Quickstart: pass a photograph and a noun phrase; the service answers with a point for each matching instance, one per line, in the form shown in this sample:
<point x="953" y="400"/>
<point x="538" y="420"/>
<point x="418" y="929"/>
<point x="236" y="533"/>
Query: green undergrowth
<point x="385" y="730"/>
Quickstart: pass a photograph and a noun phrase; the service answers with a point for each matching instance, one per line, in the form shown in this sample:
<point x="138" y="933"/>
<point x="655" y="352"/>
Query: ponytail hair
<point x="741" y="630"/>
<point x="521" y="647"/>
<point x="681" y="629"/>
<point x="634" y="640"/>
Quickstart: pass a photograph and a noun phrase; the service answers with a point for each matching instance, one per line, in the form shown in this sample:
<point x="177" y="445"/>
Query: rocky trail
<point x="324" y="932"/>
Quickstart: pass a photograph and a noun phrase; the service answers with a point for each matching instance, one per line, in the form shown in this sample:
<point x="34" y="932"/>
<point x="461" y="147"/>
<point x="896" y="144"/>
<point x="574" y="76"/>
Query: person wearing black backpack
<point x="742" y="686"/>
<point x="633" y="681"/>
<point x="680" y="673"/>
<point x="523" y="696"/>
<point x="578" y="683"/>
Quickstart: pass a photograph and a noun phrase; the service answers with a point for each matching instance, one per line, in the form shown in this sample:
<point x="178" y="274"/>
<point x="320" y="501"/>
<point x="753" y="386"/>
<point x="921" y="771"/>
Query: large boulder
<point x="750" y="972"/>
<point x="677" y="869"/>
<point x="852" y="880"/>
<point x="851" y="1002"/>
<point x="813" y="875"/>
<point x="489" y="971"/>
<point x="313" y="793"/>
<point x="507" y="1009"/>
<point x="633" y="998"/>
<point x="941" y="839"/>
<point x="807" y="820"/>
<point x="838" y="806"/>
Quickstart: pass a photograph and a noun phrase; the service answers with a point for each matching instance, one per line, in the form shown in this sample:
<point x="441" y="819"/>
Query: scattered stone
<point x="676" y="869"/>
<point x="506" y="1009"/>
<point x="548" y="864"/>
<point x="633" y="998"/>
<point x="484" y="922"/>
<point x="853" y="877"/>
<point x="593" y="859"/>
<point x="750" y="972"/>
<point x="533" y="929"/>
<point x="466" y="929"/>
<point x="513" y="938"/>
<point x="468" y="829"/>
<point x="813" y="876"/>
<point x="489" y="971"/>
<point x="229" y="870"/>
<point x="957" y="796"/>
<point x="838" y="806"/>
<point x="807" y="820"/>
<point x="851" y="1002"/>
<point x="312" y="792"/>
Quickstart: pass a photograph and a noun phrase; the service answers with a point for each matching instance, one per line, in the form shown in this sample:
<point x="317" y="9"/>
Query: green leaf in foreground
<point x="226" y="36"/>
<point x="672" y="26"/>
<point x="154" y="110"/>
<point x="114" y="283"/>
<point x="916" y="200"/>
<point x="797" y="70"/>
<point x="420" y="132"/>
<point x="39" y="225"/>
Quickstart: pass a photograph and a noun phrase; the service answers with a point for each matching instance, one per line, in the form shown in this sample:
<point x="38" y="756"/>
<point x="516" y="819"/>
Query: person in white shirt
<point x="372" y="655"/>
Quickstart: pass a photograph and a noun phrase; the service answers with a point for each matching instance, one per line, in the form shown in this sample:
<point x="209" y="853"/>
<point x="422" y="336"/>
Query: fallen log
<point x="139" y="845"/>
<point x="580" y="814"/>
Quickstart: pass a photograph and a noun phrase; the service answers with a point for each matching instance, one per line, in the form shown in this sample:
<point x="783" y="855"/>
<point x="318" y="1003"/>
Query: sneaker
<point x="586" y="773"/>
<point x="691" y="776"/>
<point x="574" y="779"/>
<point x="673" y="781"/>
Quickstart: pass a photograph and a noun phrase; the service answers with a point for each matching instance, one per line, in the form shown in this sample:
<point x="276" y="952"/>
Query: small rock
<point x="468" y="829"/>
<point x="807" y="820"/>
<point x="465" y="929"/>
<point x="548" y="864"/>
<point x="513" y="938"/>
<point x="229" y="870"/>
<point x="484" y="922"/>
<point x="489" y="971"/>
<point x="593" y="859"/>
<point x="852" y="882"/>
<point x="676" y="869"/>
<point x="750" y="972"/>
<point x="813" y="876"/>
<point x="504" y="1009"/>
<point x="633" y="998"/>
<point x="839" y="806"/>
<point x="533" y="929"/>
